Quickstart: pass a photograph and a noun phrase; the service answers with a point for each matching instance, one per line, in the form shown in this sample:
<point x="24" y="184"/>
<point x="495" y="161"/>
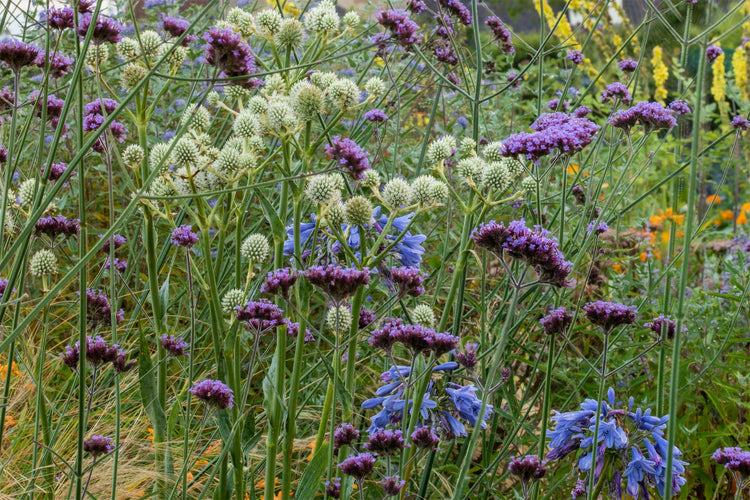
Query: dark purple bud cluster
<point x="292" y="329"/>
<point x="105" y="29"/>
<point x="408" y="280"/>
<point x="739" y="122"/>
<point x="17" y="54"/>
<point x="579" y="194"/>
<point x="54" y="106"/>
<point x="559" y="131"/>
<point x="184" y="236"/>
<point x="98" y="445"/>
<point x="558" y="105"/>
<point x="280" y="281"/>
<point x="94" y="119"/>
<point x="679" y="106"/>
<point x="333" y="489"/>
<point x="98" y="310"/>
<point x="176" y="27"/>
<point x="651" y="115"/>
<point x="416" y="6"/>
<point x="214" y="393"/>
<point x="56" y="226"/>
<point x="403" y="30"/>
<point x="230" y="54"/>
<point x="98" y="353"/>
<point x="60" y="19"/>
<point x="260" y="315"/>
<point x="735" y="459"/>
<point x="616" y="91"/>
<point x="416" y="338"/>
<point x="458" y="10"/>
<point x="175" y="346"/>
<point x="609" y="315"/>
<point x="344" y="435"/>
<point x="627" y="65"/>
<point x="424" y="438"/>
<point x="3" y="287"/>
<point x="556" y="321"/>
<point x="468" y="357"/>
<point x="117" y="240"/>
<point x="59" y="65"/>
<point x="528" y="468"/>
<point x="338" y="282"/>
<point x="535" y="248"/>
<point x="502" y="34"/>
<point x="713" y="52"/>
<point x="392" y="485"/>
<point x="597" y="227"/>
<point x="56" y="171"/>
<point x="582" y="111"/>
<point x="366" y="317"/>
<point x="575" y="56"/>
<point x="359" y="465"/>
<point x="658" y="324"/>
<point x="385" y="442"/>
<point x="349" y="155"/>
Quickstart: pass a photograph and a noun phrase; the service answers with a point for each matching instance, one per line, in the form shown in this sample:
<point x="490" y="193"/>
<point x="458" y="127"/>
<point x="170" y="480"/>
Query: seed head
<point x="339" y="319"/>
<point x="496" y="176"/>
<point x="423" y="315"/>
<point x="232" y="300"/>
<point x="195" y="118"/>
<point x="371" y="179"/>
<point x="528" y="185"/>
<point x="491" y="151"/>
<point x="185" y="152"/>
<point x="257" y="105"/>
<point x="247" y="124"/>
<point x="323" y="188"/>
<point x="255" y="248"/>
<point x="133" y="156"/>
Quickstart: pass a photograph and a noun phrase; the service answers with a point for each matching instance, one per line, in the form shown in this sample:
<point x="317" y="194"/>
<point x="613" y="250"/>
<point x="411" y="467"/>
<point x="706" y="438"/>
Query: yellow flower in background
<point x="563" y="32"/>
<point x="726" y="215"/>
<point x="739" y="67"/>
<point x="742" y="219"/>
<point x="288" y="7"/>
<point x="719" y="83"/>
<point x="661" y="75"/>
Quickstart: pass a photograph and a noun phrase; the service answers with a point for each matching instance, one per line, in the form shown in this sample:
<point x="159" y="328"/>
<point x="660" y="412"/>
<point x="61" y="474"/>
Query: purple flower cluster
<point x="556" y="321"/>
<point x="627" y="65"/>
<point x="56" y="226"/>
<point x="349" y="155"/>
<point x="457" y="9"/>
<point x="713" y="52"/>
<point x="117" y="240"/>
<point x="535" y="248"/>
<point x="184" y="236"/>
<point x="375" y="116"/>
<point x="60" y="19"/>
<point x="659" y="323"/>
<point x="105" y="29"/>
<point x="609" y="315"/>
<point x="98" y="353"/>
<point x="214" y="393"/>
<point x="408" y="280"/>
<point x="620" y="429"/>
<point x="260" y="315"/>
<point x="502" y="34"/>
<point x="94" y="118"/>
<point x="120" y="264"/>
<point x="226" y="51"/>
<point x="651" y="115"/>
<point x="679" y="106"/>
<point x="425" y="438"/>
<point x="739" y="122"/>
<point x="3" y="286"/>
<point x="98" y="445"/>
<point x="344" y="435"/>
<point x="338" y="282"/>
<point x="392" y="485"/>
<point x="176" y="27"/>
<point x="559" y="131"/>
<point x="735" y="459"/>
<point x="333" y="488"/>
<point x="416" y="338"/>
<point x="416" y="6"/>
<point x="404" y="31"/>
<point x="597" y="227"/>
<point x="385" y="442"/>
<point x="468" y="357"/>
<point x="558" y="105"/>
<point x="98" y="309"/>
<point x="280" y="281"/>
<point x="56" y="171"/>
<point x="17" y="54"/>
<point x="175" y="346"/>
<point x="575" y="56"/>
<point x="615" y="91"/>
<point x="581" y="111"/>
<point x="292" y="329"/>
<point x="528" y="468"/>
<point x="359" y="466"/>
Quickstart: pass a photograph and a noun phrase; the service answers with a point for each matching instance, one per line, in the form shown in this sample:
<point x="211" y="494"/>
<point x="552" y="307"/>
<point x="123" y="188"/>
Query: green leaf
<point x="309" y="483"/>
<point x="147" y="382"/>
<point x="277" y="225"/>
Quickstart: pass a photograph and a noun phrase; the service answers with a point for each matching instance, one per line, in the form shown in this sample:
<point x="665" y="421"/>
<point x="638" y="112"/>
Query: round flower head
<point x="307" y="100"/>
<point x="422" y="314"/>
<point x="56" y="226"/>
<point x="385" y="442"/>
<point x="281" y="118"/>
<point x="609" y="315"/>
<point x="26" y="192"/>
<point x="575" y="56"/>
<point x="359" y="465"/>
<point x="358" y="211"/>
<point x="552" y="131"/>
<point x="105" y="29"/>
<point x="392" y="485"/>
<point x="679" y="106"/>
<point x="133" y="156"/>
<point x="344" y="435"/>
<point x="338" y="282"/>
<point x="351" y="19"/>
<point x="268" y="21"/>
<point x="226" y="51"/>
<point x="280" y="281"/>
<point x="375" y="87"/>
<point x="665" y="323"/>
<point x="468" y="357"/>
<point x="741" y="123"/>
<point x="195" y="118"/>
<point x="371" y="180"/>
<point x="616" y="91"/>
<point x="343" y="94"/>
<point x="375" y="116"/>
<point x="397" y="193"/>
<point x="322" y="18"/>
<point x="651" y="115"/>
<point x="408" y="281"/>
<point x="441" y="149"/>
<point x="175" y="346"/>
<point x="339" y="319"/>
<point x="290" y="34"/>
<point x="255" y="248"/>
<point x="232" y="300"/>
<point x="471" y="169"/>
<point x="713" y="52"/>
<point x="184" y="236"/>
<point x="17" y="54"/>
<point x="185" y="152"/>
<point x="214" y="393"/>
<point x="491" y="151"/>
<point x="496" y="176"/>
<point x="97" y="446"/>
<point x="43" y="263"/>
<point x="556" y="321"/>
<point x="426" y="190"/>
<point x="260" y="315"/>
<point x="228" y="160"/>
<point x="627" y="65"/>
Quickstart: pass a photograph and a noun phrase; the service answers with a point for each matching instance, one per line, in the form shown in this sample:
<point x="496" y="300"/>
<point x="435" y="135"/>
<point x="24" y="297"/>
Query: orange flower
<point x="677" y="219"/>
<point x="573" y="168"/>
<point x="618" y="268"/>
<point x="189" y="476"/>
<point x="643" y="256"/>
<point x="726" y="215"/>
<point x="312" y="450"/>
<point x="742" y="219"/>
<point x="746" y="207"/>
<point x="150" y="434"/>
<point x="714" y="198"/>
<point x="665" y="237"/>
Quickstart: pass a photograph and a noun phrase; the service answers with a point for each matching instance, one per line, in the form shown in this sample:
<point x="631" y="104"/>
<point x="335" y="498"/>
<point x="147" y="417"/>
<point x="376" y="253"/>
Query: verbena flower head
<point x="627" y="65"/>
<point x="375" y="116"/>
<point x="468" y="356"/>
<point x="117" y="240"/>
<point x="280" y="281"/>
<point x="338" y="282"/>
<point x="536" y="248"/>
<point x="105" y="29"/>
<point x="176" y="27"/>
<point x="17" y="54"/>
<point x="528" y="468"/>
<point x="620" y="430"/>
<point x="734" y="459"/>
<point x="559" y="131"/>
<point x="501" y="34"/>
<point x="659" y="323"/>
<point x="175" y="346"/>
<point x="214" y="393"/>
<point x="97" y="446"/>
<point x="679" y="106"/>
<point x="408" y="281"/>
<point x="650" y="115"/>
<point x="57" y="226"/>
<point x="713" y="52"/>
<point x="344" y="435"/>
<point x="121" y="363"/>
<point x="98" y="309"/>
<point x="184" y="236"/>
<point x="59" y="18"/>
<point x="457" y="9"/>
<point x="260" y="315"/>
<point x="739" y="122"/>
<point x="423" y="437"/>
<point x="556" y="321"/>
<point x="575" y="56"/>
<point x="597" y="227"/>
<point x="616" y="91"/>
<point x="392" y="485"/>
<point x="609" y="315"/>
<point x="385" y="442"/>
<point x="403" y="30"/>
<point x="226" y="51"/>
<point x="359" y="465"/>
<point x="349" y="155"/>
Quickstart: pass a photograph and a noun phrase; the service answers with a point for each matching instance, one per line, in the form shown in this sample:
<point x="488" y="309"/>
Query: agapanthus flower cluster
<point x="214" y="393"/>
<point x="260" y="315"/>
<point x="58" y="225"/>
<point x="537" y="248"/>
<point x="98" y="309"/>
<point x="609" y="315"/>
<point x="621" y="430"/>
<point x="404" y="31"/>
<point x="501" y="34"/>
<point x="349" y="155"/>
<point x="650" y="115"/>
<point x="559" y="131"/>
<point x="232" y="56"/>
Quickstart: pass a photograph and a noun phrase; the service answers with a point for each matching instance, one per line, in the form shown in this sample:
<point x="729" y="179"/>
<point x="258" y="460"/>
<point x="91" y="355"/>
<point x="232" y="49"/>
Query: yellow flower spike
<point x="563" y="32"/>
<point x="661" y="75"/>
<point x="739" y="68"/>
<point x="719" y="82"/>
